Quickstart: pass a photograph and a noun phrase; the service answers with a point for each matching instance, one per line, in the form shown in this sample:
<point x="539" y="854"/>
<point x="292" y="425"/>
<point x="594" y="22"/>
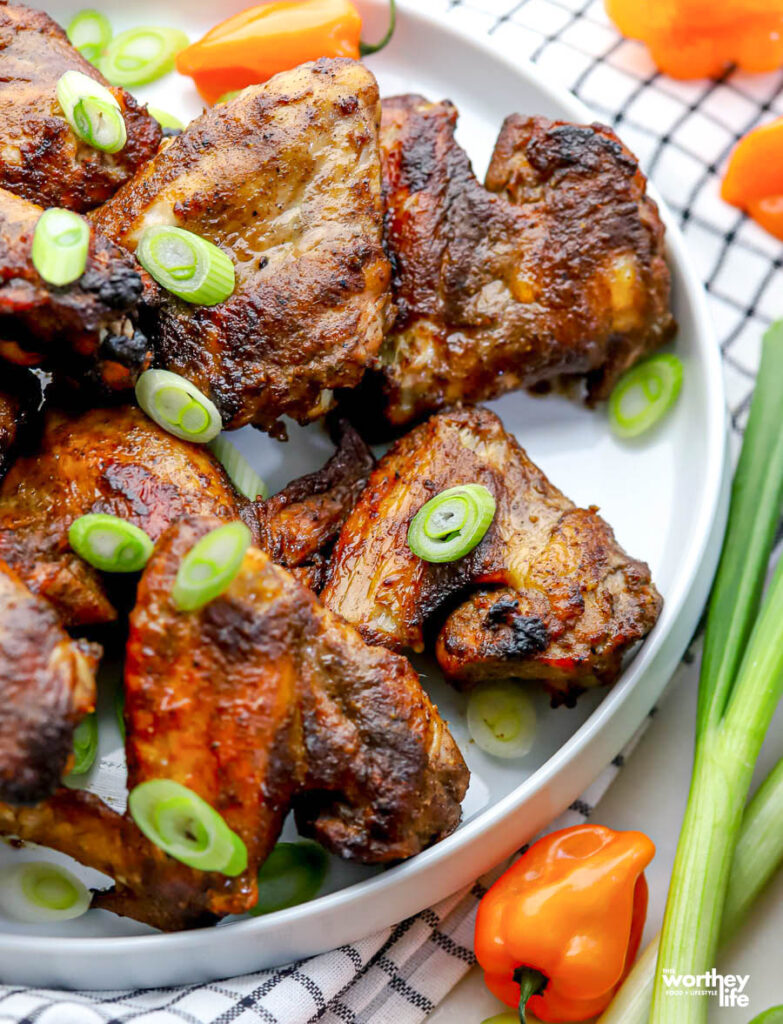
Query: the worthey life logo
<point x="729" y="988"/>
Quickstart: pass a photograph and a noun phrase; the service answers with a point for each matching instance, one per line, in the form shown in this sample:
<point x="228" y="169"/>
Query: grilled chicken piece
<point x="21" y="404"/>
<point x="286" y="180"/>
<point x="559" y="273"/>
<point x="105" y="460"/>
<point x="47" y="685"/>
<point x="299" y="523"/>
<point x="259" y="701"/>
<point x="41" y="159"/>
<point x="573" y="602"/>
<point x="90" y="329"/>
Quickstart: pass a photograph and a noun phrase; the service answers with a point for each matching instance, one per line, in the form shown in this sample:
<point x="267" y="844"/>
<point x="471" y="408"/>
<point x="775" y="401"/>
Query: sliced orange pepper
<point x="558" y="932"/>
<point x="754" y="177"/>
<point x="701" y="38"/>
<point x="253" y="46"/>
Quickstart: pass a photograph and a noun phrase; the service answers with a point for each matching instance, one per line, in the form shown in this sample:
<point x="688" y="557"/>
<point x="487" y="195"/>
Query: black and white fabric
<point x="682" y="133"/>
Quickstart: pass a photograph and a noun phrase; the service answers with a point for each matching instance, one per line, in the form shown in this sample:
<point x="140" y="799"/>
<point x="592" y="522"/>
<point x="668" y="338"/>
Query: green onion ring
<point x="186" y="265"/>
<point x="110" y="543"/>
<point x="239" y="471"/>
<point x="37" y="892"/>
<point x="210" y="566"/>
<point x="166" y="120"/>
<point x="293" y="873"/>
<point x="61" y="246"/>
<point x="184" y="826"/>
<point x="85" y="744"/>
<point x="452" y="523"/>
<point x="501" y="719"/>
<point x="92" y="111"/>
<point x="178" y="406"/>
<point x="644" y="394"/>
<point x="90" y="32"/>
<point x="142" y="55"/>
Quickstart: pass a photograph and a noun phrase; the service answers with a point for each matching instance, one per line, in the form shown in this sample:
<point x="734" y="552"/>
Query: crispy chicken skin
<point x="259" y="701"/>
<point x="572" y="602"/>
<point x="112" y="460"/>
<point x="47" y="685"/>
<point x="285" y="179"/>
<point x="89" y="329"/>
<point x="41" y="159"/>
<point x="21" y="403"/>
<point x="558" y="270"/>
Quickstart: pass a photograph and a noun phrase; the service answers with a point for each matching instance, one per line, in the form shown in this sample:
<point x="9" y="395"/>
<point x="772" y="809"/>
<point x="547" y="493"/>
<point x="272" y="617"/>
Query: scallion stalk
<point x="758" y="855"/>
<point x="740" y="686"/>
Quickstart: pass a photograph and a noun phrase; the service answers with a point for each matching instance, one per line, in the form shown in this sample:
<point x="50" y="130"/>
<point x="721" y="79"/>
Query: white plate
<point x="665" y="497"/>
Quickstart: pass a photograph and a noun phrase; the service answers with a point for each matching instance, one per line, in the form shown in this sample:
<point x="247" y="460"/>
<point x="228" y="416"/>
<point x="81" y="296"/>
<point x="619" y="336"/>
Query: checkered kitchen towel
<point x="682" y="133"/>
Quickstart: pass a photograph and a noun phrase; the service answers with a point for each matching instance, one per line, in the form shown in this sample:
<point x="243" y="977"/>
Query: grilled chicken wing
<point x="41" y="158"/>
<point x="87" y="330"/>
<point x="47" y="685"/>
<point x="286" y="180"/>
<point x="259" y="701"/>
<point x="559" y="273"/>
<point x="572" y="602"/>
<point x="105" y="460"/>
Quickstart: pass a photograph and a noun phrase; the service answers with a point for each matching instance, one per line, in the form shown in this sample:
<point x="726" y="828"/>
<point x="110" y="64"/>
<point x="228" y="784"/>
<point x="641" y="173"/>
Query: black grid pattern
<point x="682" y="133"/>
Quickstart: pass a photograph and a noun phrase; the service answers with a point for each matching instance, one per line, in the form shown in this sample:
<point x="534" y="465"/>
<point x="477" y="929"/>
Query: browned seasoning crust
<point x="286" y="180"/>
<point x="90" y="330"/>
<point x="21" y="403"/>
<point x="41" y="158"/>
<point x="572" y="601"/>
<point x="556" y="268"/>
<point x="259" y="701"/>
<point x="47" y="685"/>
<point x="115" y="461"/>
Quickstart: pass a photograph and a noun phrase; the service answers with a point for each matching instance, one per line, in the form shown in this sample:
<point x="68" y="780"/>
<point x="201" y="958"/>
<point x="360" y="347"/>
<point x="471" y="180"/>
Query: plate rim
<point x="700" y="562"/>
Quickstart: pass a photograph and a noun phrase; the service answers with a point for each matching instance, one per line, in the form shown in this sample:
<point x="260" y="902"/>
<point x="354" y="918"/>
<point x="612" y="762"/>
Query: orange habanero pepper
<point x="262" y="41"/>
<point x="560" y="929"/>
<point x="754" y="177"/>
<point x="700" y="38"/>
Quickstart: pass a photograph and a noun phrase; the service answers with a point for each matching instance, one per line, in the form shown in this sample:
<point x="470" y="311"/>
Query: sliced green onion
<point x="292" y="874"/>
<point x="142" y="55"/>
<point x="92" y="111"/>
<point x="502" y="719"/>
<point x="644" y="395"/>
<point x="166" y="120"/>
<point x="61" y="244"/>
<point x="178" y="406"/>
<point x="90" y="32"/>
<point x="210" y="566"/>
<point x="186" y="265"/>
<point x="37" y="892"/>
<point x="227" y="97"/>
<point x="85" y="744"/>
<point x="183" y="825"/>
<point x="239" y="470"/>
<point x="452" y="523"/>
<point x="110" y="543"/>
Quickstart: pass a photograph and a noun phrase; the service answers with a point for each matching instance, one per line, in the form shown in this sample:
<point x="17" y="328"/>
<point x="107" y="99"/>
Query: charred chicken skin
<point x="90" y="329"/>
<point x="260" y="701"/>
<point x="286" y="180"/>
<point x="20" y="413"/>
<point x="46" y="686"/>
<point x="41" y="158"/>
<point x="572" y="602"/>
<point x="555" y="269"/>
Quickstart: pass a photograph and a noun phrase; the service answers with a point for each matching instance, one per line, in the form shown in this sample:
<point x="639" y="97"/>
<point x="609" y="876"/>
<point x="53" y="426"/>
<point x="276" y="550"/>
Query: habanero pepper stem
<point x="262" y="41"/>
<point x="559" y="930"/>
